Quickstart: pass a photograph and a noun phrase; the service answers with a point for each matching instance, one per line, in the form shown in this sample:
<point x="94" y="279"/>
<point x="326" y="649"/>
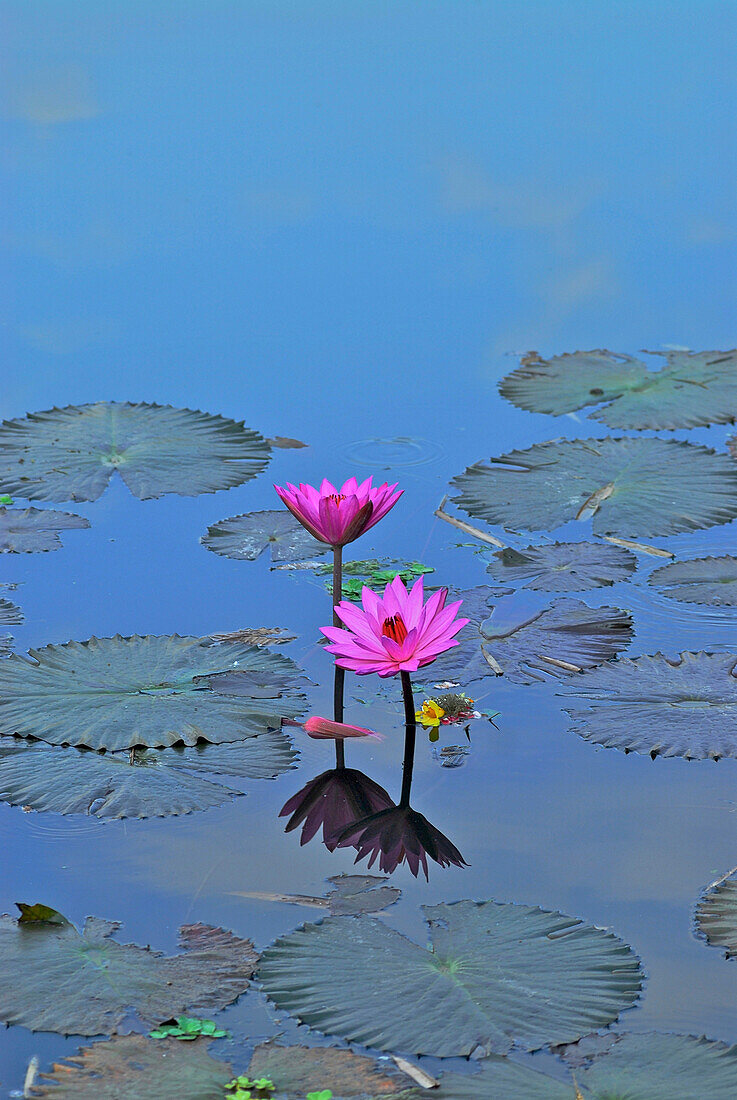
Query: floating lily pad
<point x="246" y="537"/>
<point x="710" y="581"/>
<point x="34" y="530"/>
<point x="114" y="693"/>
<point x="351" y="895"/>
<point x="631" y="487"/>
<point x="563" y="566"/>
<point x="297" y="1071"/>
<point x="58" y="979"/>
<point x="158" y="783"/>
<point x="654" y="704"/>
<point x="716" y="916"/>
<point x="636" y="1067"/>
<point x="496" y="974"/>
<point x="10" y="615"/>
<point x="71" y="453"/>
<point x="692" y="389"/>
<point x="563" y="638"/>
<point x="132" y="1067"/>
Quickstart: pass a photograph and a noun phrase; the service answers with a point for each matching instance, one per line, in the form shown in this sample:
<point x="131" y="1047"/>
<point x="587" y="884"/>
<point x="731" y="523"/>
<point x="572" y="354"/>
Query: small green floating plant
<point x="247" y="1088"/>
<point x="188" y="1027"/>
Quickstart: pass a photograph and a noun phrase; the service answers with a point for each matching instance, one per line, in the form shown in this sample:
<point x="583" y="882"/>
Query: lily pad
<point x="351" y="895"/>
<point x="115" y="693"/>
<point x="84" y="983"/>
<point x="71" y="453"/>
<point x="716" y="916"/>
<point x="685" y="706"/>
<point x="496" y="974"/>
<point x="710" y="581"/>
<point x="561" y="639"/>
<point x="158" y="783"/>
<point x="646" y="1066"/>
<point x="692" y="389"/>
<point x="563" y="566"/>
<point x="35" y="530"/>
<point x="631" y="487"/>
<point x="10" y="615"/>
<point x="132" y="1067"/>
<point x="298" y="1070"/>
<point x="246" y="537"/>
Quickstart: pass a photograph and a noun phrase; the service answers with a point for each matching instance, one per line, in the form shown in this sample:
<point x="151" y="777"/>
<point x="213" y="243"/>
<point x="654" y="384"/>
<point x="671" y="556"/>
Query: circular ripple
<point x="389" y="454"/>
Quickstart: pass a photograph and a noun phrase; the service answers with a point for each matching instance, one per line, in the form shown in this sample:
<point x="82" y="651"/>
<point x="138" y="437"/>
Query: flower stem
<point x="339" y="680"/>
<point x="409" y="737"/>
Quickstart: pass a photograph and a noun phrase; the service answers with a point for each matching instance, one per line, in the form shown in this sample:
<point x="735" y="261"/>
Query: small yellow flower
<point x="430" y="714"/>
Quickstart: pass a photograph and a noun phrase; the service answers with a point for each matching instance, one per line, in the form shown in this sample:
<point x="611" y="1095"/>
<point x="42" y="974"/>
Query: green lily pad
<point x="563" y="566"/>
<point x="299" y="1070"/>
<point x="685" y="706"/>
<point x="631" y="487"/>
<point x="636" y="1067"/>
<point x="561" y="639"/>
<point x="246" y="537"/>
<point x="496" y="974"/>
<point x="84" y="983"/>
<point x="132" y="1067"/>
<point x="115" y="693"/>
<point x="71" y="453"/>
<point x="692" y="389"/>
<point x="35" y="530"/>
<point x="716" y="915"/>
<point x="710" y="581"/>
<point x="157" y="783"/>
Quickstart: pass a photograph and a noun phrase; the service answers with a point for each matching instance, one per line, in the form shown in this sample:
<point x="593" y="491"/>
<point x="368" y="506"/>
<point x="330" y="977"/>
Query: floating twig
<point x="423" y="1079"/>
<point x="560" y="664"/>
<point x="463" y="526"/>
<point x="30" y="1078"/>
<point x="493" y="664"/>
<point x="642" y="547"/>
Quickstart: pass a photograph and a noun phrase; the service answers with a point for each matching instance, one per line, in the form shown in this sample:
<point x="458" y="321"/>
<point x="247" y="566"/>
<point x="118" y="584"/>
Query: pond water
<point x="344" y="223"/>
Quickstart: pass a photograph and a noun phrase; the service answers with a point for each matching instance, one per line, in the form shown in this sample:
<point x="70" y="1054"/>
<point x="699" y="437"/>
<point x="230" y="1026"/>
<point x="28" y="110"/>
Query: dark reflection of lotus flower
<point x="400" y="835"/>
<point x="336" y="800"/>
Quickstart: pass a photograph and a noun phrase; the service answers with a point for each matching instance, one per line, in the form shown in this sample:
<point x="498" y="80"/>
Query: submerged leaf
<point x="300" y="1070"/>
<point x="58" y="979"/>
<point x="563" y="566"/>
<point x="716" y="915"/>
<point x="565" y="637"/>
<point x="496" y="974"/>
<point x="114" y="693"/>
<point x="132" y="1067"/>
<point x="710" y="581"/>
<point x="645" y="1066"/>
<point x="71" y="453"/>
<point x="658" y="705"/>
<point x="34" y="530"/>
<point x="246" y="537"/>
<point x="692" y="389"/>
<point x="157" y="783"/>
<point x="351" y="895"/>
<point x="631" y="487"/>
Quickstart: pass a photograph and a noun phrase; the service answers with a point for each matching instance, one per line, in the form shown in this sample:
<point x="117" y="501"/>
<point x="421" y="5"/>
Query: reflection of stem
<point x="132" y="755"/>
<point x="409" y="737"/>
<point x="339" y="681"/>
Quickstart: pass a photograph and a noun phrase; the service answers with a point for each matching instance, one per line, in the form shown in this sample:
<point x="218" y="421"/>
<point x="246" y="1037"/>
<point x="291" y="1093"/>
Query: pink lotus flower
<point x="395" y="632"/>
<point x="338" y="516"/>
<point x="336" y="731"/>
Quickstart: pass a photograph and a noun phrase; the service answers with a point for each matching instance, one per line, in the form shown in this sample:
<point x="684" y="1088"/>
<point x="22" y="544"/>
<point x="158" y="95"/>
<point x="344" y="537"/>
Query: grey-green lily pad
<point x="298" y="1070"/>
<point x="629" y="487"/>
<point x="155" y="783"/>
<point x="85" y="983"/>
<point x="10" y="615"/>
<point x="716" y="915"/>
<point x="35" y="530"/>
<point x="116" y="693"/>
<point x="246" y="537"/>
<point x="647" y="1066"/>
<point x="563" y="566"/>
<point x="685" y="706"/>
<point x="561" y="639"/>
<point x="133" y="1067"/>
<point x="351" y="895"/>
<point x="710" y="581"/>
<point x="496" y="974"/>
<point x="692" y="389"/>
<point x="71" y="453"/>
